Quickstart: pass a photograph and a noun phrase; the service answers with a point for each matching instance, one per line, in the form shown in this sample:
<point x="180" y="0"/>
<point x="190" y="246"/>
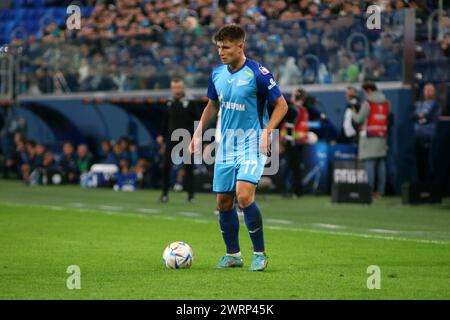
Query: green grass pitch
<point x="316" y="250"/>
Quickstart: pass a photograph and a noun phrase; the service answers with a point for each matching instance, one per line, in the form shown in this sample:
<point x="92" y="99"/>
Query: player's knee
<point x="245" y="199"/>
<point x="225" y="203"/>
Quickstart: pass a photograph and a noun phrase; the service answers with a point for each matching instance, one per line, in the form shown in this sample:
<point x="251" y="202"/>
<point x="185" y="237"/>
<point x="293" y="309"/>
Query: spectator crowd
<point x="36" y="164"/>
<point x="134" y="45"/>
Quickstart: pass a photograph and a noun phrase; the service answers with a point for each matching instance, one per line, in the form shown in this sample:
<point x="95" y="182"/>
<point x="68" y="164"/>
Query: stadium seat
<point x="10" y="14"/>
<point x="20" y="13"/>
<point x="86" y="11"/>
<point x="29" y="14"/>
<point x="39" y="3"/>
<point x="9" y="26"/>
<point x="60" y="13"/>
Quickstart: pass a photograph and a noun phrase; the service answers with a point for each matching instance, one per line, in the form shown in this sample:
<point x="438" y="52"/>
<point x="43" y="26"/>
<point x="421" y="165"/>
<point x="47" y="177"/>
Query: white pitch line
<point x="279" y="221"/>
<point x="56" y="208"/>
<point x="200" y="220"/>
<point x="384" y="231"/>
<point x="367" y="236"/>
<point x="148" y="210"/>
<point x="337" y="233"/>
<point x="77" y="204"/>
<point x="111" y="208"/>
<point x="189" y="214"/>
<point x="274" y="228"/>
<point x="328" y="226"/>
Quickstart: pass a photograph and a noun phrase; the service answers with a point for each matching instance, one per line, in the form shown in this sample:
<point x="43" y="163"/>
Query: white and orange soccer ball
<point x="178" y="255"/>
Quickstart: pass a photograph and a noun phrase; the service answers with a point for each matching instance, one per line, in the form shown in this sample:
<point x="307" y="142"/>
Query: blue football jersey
<point x="243" y="96"/>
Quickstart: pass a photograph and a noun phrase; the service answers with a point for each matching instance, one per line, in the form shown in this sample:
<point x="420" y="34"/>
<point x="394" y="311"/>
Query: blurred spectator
<point x="28" y="160"/>
<point x="39" y="151"/>
<point x="445" y="45"/>
<point x="348" y="71"/>
<point x="44" y="172"/>
<point x="16" y="157"/>
<point x="105" y="154"/>
<point x="84" y="159"/>
<point x="133" y="154"/>
<point x="14" y="126"/>
<point x="372" y="69"/>
<point x="124" y="166"/>
<point x="373" y="117"/>
<point x="68" y="163"/>
<point x="289" y="73"/>
<point x="117" y="154"/>
<point x="426" y="115"/>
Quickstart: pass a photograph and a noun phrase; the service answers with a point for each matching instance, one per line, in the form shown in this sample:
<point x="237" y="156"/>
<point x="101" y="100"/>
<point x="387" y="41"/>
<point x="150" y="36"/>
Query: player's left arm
<point x="279" y="111"/>
<point x="270" y="90"/>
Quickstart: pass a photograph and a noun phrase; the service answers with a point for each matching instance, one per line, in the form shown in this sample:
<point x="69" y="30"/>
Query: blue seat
<point x="20" y="13"/>
<point x="40" y="12"/>
<point x="10" y="14"/>
<point x="50" y="11"/>
<point x="9" y="26"/>
<point x="29" y="14"/>
<point x="39" y="3"/>
<point x="32" y="27"/>
<point x="86" y="11"/>
<point x="60" y="13"/>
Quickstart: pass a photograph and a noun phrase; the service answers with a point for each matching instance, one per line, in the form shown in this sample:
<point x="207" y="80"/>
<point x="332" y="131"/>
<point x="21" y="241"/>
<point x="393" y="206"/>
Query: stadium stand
<point x="159" y="38"/>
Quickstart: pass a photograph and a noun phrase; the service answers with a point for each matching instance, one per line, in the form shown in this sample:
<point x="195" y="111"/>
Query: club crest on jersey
<point x="263" y="70"/>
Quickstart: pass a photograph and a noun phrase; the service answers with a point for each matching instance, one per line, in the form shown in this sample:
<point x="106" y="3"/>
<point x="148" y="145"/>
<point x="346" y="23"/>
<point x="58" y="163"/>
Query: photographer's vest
<point x="377" y="121"/>
<point x="297" y="131"/>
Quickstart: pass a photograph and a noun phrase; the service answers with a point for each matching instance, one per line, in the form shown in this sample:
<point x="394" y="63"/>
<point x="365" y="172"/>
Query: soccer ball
<point x="178" y="255"/>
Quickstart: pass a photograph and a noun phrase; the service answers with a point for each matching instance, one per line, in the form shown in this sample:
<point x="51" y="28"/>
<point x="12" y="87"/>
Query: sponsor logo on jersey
<point x="232" y="105"/>
<point x="230" y="80"/>
<point x="263" y="70"/>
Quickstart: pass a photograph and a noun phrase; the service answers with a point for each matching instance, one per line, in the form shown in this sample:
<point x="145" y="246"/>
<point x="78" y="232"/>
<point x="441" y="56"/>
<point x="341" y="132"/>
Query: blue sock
<point x="254" y="223"/>
<point x="229" y="225"/>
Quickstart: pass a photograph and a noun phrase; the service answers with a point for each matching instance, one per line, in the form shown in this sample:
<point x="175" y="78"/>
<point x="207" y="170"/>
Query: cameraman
<point x="350" y="129"/>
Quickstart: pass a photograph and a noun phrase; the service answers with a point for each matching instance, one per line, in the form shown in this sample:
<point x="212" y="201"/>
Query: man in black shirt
<point x="350" y="129"/>
<point x="179" y="113"/>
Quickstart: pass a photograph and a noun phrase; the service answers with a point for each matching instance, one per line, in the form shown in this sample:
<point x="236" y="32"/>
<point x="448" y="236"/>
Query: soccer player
<point x="242" y="89"/>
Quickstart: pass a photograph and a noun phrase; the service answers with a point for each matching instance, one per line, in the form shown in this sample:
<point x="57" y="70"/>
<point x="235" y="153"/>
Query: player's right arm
<point x="210" y="111"/>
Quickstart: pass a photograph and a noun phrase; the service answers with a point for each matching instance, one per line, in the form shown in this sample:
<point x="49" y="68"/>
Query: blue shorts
<point x="227" y="174"/>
